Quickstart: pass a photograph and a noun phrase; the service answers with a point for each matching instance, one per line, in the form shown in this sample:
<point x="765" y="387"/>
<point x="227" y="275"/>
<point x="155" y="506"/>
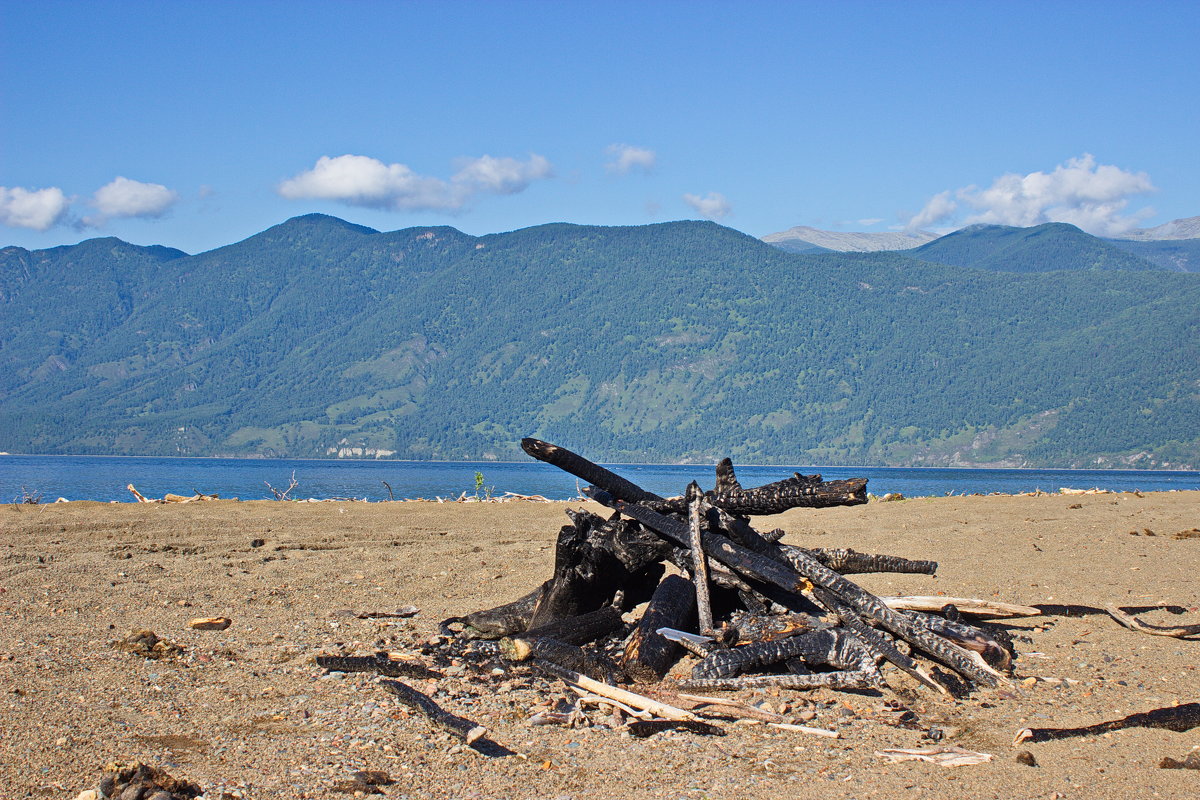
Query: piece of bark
<point x="649" y="655"/>
<point x="585" y="470"/>
<point x="1135" y="624"/>
<point x="769" y="627"/>
<point x="1181" y="718"/>
<point x="461" y="728"/>
<point x="968" y="637"/>
<point x="210" y="623"/>
<point x="728" y="707"/>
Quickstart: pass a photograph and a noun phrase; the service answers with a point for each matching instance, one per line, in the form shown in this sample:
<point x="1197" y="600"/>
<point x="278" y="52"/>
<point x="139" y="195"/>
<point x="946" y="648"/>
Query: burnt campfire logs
<point x="754" y="611"/>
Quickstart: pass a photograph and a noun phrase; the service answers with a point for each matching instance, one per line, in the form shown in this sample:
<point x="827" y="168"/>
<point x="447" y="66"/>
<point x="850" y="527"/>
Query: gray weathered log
<point x="699" y="561"/>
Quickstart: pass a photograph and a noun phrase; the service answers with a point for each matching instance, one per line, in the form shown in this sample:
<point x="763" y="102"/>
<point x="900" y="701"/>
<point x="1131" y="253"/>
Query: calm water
<point x="105" y="478"/>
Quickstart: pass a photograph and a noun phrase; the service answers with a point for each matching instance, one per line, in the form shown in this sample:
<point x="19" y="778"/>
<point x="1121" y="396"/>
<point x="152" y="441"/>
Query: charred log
<point x="561" y="654"/>
<point x="649" y="654"/>
<point x="580" y="629"/>
<point x="585" y="470"/>
<point x="850" y="562"/>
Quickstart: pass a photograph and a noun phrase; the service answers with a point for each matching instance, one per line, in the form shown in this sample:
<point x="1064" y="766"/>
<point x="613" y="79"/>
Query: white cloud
<point x="626" y="158"/>
<point x="940" y="208"/>
<point x="365" y="181"/>
<point x="713" y="205"/>
<point x="502" y="175"/>
<point x="123" y="197"/>
<point x="1090" y="195"/>
<point x="39" y="209"/>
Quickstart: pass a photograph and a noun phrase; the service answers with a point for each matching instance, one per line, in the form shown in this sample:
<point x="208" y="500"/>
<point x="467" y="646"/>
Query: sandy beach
<point x="246" y="713"/>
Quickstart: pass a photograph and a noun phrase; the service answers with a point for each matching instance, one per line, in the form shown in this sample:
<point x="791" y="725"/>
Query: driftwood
<point x="964" y="605"/>
<point x="585" y="470"/>
<point x="644" y="728"/>
<point x="463" y="729"/>
<point x="1133" y="623"/>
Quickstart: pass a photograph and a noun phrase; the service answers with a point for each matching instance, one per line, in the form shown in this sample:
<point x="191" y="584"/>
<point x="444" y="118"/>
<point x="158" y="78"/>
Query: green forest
<point x="683" y="341"/>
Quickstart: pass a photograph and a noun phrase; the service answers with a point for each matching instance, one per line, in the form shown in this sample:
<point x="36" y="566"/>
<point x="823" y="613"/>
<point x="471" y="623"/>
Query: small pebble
<point x="1025" y="757"/>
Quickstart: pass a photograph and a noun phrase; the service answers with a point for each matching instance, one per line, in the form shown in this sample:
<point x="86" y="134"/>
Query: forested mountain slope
<point x="664" y="342"/>
<point x="1054" y="246"/>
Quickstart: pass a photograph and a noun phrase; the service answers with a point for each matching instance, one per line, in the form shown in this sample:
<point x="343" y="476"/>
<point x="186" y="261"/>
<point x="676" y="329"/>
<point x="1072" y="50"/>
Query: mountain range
<point x="1173" y="245"/>
<point x="682" y="341"/>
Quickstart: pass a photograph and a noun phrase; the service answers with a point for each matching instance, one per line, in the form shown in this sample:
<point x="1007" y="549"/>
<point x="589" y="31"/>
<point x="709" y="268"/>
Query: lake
<point x="105" y="478"/>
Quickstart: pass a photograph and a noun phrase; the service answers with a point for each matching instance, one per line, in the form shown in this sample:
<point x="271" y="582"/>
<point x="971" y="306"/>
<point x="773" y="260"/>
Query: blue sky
<point x="198" y="124"/>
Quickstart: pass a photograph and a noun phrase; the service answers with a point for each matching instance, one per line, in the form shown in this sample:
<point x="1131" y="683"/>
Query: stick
<point x="464" y="729"/>
<point x="1135" y="624"/>
<point x="740" y="709"/>
<point x="138" y="494"/>
<point x="787" y="726"/>
<point x="588" y="698"/>
<point x="615" y="693"/>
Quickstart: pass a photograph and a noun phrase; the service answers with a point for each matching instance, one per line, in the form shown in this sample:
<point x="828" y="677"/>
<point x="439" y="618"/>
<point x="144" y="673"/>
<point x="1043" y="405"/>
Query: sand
<point x="245" y="712"/>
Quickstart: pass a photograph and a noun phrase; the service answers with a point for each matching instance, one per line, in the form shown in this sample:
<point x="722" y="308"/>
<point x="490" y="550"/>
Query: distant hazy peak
<point x="1186" y="228"/>
<point x="847" y="241"/>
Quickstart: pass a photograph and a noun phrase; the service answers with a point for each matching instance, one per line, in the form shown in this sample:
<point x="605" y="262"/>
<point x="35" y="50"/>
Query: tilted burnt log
<point x="583" y="469"/>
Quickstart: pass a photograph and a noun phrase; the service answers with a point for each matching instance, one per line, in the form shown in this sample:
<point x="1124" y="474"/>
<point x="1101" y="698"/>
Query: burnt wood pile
<point x="754" y="611"/>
